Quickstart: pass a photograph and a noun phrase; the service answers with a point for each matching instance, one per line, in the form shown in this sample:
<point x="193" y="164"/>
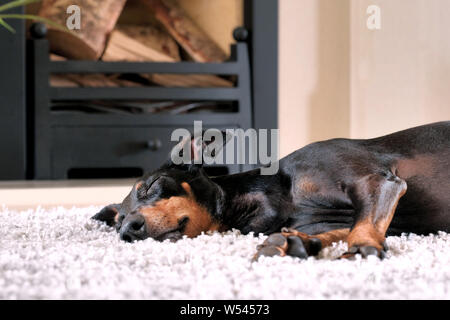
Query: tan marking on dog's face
<point x="165" y="215"/>
<point x="138" y="185"/>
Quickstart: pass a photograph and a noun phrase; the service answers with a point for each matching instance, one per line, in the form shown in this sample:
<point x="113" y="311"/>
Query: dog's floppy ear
<point x="192" y="150"/>
<point x="108" y="214"/>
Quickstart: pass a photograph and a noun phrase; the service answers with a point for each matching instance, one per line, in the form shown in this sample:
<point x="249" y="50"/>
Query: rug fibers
<point x="63" y="254"/>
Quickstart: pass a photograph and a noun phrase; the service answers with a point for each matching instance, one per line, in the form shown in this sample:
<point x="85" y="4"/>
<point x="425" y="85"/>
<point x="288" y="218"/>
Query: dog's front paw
<point x="289" y="243"/>
<point x="108" y="214"/>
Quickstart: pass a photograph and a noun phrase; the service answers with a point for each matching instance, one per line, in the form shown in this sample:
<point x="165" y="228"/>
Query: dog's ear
<point x="191" y="151"/>
<point x="109" y="214"/>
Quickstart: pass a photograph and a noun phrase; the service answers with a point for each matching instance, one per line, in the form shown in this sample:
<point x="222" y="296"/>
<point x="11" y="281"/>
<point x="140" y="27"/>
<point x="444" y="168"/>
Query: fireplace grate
<point x="65" y="140"/>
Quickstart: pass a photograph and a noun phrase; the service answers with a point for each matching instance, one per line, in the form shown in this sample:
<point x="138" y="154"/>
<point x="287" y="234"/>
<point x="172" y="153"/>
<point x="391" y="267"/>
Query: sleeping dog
<point x="358" y="191"/>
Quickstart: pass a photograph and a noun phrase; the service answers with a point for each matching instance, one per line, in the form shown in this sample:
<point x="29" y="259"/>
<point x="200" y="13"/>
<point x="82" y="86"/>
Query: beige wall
<point x="400" y="74"/>
<point x="339" y="79"/>
<point x="313" y="71"/>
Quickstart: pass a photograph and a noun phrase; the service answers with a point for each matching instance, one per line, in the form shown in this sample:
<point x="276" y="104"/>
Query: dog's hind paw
<point x="289" y="243"/>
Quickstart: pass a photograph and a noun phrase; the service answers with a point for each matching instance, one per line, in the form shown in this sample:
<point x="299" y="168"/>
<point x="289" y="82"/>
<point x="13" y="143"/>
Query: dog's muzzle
<point x="133" y="228"/>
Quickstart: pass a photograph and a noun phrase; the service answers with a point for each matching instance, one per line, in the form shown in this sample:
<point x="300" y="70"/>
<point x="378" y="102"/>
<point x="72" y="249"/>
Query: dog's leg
<point x="298" y="244"/>
<point x="375" y="198"/>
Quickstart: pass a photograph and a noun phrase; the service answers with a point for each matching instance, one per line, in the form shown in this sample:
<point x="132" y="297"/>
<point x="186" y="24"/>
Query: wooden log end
<point x="64" y="44"/>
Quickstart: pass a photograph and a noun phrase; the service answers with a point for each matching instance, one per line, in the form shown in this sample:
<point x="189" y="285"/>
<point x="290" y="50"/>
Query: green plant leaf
<point x="16" y="3"/>
<point x="33" y="17"/>
<point x="7" y="26"/>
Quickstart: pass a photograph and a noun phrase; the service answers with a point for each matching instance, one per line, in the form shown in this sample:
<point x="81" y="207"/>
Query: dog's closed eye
<point x="144" y="190"/>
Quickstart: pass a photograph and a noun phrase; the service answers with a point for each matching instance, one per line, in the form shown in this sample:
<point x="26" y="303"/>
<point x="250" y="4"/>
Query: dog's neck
<point x="250" y="201"/>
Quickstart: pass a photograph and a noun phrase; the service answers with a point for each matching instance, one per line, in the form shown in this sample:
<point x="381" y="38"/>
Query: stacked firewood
<point x="173" y="37"/>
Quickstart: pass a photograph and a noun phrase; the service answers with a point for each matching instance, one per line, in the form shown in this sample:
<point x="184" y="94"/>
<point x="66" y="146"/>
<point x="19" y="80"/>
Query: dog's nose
<point x="133" y="228"/>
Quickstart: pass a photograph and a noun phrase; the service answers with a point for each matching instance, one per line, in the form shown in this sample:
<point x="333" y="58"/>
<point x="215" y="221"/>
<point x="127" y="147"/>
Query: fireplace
<point x="112" y="117"/>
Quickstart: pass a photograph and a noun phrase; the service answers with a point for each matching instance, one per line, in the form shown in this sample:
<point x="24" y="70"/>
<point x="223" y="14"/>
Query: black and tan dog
<point x="358" y="191"/>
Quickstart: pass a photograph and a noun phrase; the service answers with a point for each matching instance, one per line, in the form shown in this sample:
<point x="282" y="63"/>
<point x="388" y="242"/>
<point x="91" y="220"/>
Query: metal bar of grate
<point x="155" y="93"/>
<point x="226" y="68"/>
<point x="226" y="120"/>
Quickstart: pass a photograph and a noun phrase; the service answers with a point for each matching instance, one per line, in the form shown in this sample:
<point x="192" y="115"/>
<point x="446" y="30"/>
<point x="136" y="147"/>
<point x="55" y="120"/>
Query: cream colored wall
<point x="313" y="71"/>
<point x="400" y="74"/>
<point x="339" y="79"/>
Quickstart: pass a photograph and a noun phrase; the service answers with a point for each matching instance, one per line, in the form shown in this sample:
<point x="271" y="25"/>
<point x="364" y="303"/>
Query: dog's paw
<point x="108" y="214"/>
<point x="289" y="243"/>
<point x="365" y="251"/>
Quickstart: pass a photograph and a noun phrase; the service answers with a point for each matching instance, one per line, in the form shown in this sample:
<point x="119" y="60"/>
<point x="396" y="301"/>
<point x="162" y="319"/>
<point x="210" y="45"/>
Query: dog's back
<point x="420" y="156"/>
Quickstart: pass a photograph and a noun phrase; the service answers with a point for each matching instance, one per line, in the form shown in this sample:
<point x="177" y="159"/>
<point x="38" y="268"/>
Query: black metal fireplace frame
<point x="48" y="126"/>
<point x="261" y="19"/>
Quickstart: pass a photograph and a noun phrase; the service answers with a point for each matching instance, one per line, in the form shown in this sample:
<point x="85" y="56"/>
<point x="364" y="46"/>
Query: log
<point x="90" y="80"/>
<point x="97" y="21"/>
<point x="121" y="82"/>
<point x="148" y="43"/>
<point x="55" y="57"/>
<point x="140" y="43"/>
<point x="59" y="80"/>
<point x="189" y="80"/>
<point x="193" y="40"/>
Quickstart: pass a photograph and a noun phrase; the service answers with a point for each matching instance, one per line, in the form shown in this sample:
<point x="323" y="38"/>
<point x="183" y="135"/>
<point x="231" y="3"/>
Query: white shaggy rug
<point x="62" y="254"/>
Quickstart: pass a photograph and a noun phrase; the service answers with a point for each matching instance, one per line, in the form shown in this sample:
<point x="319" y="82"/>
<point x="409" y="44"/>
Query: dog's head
<point x="175" y="200"/>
